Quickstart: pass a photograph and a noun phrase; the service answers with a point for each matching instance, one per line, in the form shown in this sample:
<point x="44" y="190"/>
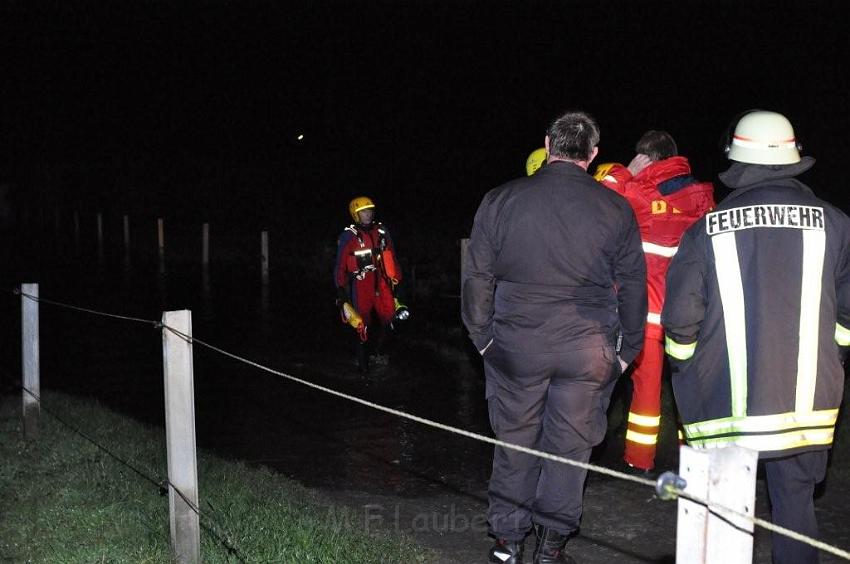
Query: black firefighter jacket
<point x="555" y="264"/>
<point x="758" y="306"/>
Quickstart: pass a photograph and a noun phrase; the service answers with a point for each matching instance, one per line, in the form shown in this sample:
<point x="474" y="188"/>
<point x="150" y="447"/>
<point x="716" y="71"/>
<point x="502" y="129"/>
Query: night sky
<point x="422" y="105"/>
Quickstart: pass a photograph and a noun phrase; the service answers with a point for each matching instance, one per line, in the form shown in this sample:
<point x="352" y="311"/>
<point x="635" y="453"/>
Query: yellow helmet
<point x="535" y="160"/>
<point x="602" y="170"/>
<point x="357" y="204"/>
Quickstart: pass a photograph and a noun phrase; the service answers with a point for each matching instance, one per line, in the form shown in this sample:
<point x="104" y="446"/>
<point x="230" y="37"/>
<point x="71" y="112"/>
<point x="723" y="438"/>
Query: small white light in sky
<point x="301" y="137"/>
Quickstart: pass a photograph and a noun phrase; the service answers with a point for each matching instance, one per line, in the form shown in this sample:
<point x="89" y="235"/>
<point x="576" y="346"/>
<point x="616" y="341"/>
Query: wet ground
<point x="396" y="473"/>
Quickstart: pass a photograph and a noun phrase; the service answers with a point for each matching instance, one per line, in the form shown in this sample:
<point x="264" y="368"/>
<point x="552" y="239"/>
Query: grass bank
<point x="63" y="499"/>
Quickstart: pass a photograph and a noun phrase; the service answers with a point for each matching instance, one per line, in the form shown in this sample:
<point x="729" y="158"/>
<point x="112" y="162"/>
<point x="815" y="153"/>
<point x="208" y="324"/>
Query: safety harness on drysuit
<point x="368" y="259"/>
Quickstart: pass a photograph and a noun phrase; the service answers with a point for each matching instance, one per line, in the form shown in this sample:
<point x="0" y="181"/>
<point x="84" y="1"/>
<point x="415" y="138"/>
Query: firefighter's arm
<point x="391" y="263"/>
<point x="340" y="271"/>
<point x="684" y="302"/>
<point x="630" y="276"/>
<point x="478" y="283"/>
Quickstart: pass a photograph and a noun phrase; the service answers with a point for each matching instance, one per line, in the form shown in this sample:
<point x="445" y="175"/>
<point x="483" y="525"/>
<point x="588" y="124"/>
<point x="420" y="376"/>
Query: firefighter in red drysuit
<point x="666" y="200"/>
<point x="366" y="274"/>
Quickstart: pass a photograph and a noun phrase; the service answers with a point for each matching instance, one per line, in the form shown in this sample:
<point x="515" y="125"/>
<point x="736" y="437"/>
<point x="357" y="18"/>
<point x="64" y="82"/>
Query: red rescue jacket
<point x="662" y="219"/>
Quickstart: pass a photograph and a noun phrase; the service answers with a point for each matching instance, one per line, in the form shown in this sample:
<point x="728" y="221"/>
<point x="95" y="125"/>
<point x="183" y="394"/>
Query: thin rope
<point x="86" y="310"/>
<point x="719" y="509"/>
<point x="716" y="508"/>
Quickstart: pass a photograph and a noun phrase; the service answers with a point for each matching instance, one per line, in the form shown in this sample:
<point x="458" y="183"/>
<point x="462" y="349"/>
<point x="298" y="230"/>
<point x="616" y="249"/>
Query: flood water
<point x="290" y="325"/>
<point x="361" y="455"/>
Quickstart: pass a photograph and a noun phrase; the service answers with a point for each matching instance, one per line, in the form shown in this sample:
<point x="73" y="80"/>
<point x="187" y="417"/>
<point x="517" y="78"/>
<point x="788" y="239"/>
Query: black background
<point x="196" y="107"/>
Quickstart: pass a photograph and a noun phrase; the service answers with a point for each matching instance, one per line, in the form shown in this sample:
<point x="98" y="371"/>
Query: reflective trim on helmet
<point x="366" y="207"/>
<point x="644" y="420"/>
<point x="842" y="335"/>
<point x="641" y="438"/>
<point x="814" y="249"/>
<point x="728" y="271"/>
<point x="753" y="144"/>
<point x="653" y="249"/>
<point x="654" y="318"/>
<point x="678" y="350"/>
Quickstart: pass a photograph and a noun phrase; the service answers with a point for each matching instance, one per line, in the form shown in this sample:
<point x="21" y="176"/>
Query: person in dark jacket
<point x="757" y="321"/>
<point x="554" y="299"/>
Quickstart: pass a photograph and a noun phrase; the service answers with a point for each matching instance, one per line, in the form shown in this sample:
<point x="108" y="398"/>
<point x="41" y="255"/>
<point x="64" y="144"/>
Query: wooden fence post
<point x="100" y="236"/>
<point x="160" y="237"/>
<point x="76" y="230"/>
<point x="205" y="245"/>
<point x="264" y="255"/>
<point x="180" y="436"/>
<point x="126" y="221"/>
<point x="727" y="477"/>
<point x="31" y="359"/>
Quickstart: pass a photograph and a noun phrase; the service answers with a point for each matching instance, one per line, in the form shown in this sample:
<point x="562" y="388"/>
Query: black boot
<point x="505" y="552"/>
<point x="550" y="547"/>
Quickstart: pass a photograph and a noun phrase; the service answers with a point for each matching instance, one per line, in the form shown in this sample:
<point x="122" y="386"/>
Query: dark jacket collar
<point x="741" y="175"/>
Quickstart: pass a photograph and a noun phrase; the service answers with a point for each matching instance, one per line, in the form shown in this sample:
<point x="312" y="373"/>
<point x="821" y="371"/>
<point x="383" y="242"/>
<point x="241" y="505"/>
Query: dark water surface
<point x="242" y="412"/>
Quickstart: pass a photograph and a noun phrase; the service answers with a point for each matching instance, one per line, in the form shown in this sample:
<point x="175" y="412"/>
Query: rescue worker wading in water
<point x="366" y="275"/>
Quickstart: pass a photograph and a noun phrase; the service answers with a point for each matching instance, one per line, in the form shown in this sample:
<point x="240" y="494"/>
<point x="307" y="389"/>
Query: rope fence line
<point x="161" y="484"/>
<point x="665" y="490"/>
<point x="155" y="324"/>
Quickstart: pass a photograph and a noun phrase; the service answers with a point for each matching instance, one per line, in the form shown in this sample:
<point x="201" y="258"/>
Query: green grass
<point x="63" y="500"/>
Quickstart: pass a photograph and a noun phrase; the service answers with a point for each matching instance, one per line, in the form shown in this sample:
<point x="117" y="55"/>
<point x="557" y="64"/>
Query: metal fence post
<point x="727" y="477"/>
<point x="30" y="354"/>
<point x="180" y="436"/>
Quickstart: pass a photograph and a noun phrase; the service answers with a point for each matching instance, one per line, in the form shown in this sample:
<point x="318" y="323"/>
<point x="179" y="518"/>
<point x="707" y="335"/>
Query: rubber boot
<point x="550" y="547"/>
<point x="505" y="552"/>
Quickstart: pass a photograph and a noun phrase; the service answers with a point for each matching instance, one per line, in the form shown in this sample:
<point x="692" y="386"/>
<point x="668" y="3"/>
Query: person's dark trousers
<point x="553" y="402"/>
<point x="791" y="485"/>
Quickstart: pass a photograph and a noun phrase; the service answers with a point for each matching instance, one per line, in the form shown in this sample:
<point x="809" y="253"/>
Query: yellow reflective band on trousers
<point x="842" y="335"/>
<point x="678" y="350"/>
<point x="728" y="270"/>
<point x="765" y="432"/>
<point x="641" y="438"/>
<point x="644" y="420"/>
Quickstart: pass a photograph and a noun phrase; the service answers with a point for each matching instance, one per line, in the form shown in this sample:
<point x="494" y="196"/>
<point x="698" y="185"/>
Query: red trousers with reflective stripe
<point x="646" y="402"/>
<point x="373" y="298"/>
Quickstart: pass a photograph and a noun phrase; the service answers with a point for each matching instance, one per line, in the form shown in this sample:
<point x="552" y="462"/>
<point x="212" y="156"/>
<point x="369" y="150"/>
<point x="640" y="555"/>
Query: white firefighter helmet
<point x="764" y="138"/>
